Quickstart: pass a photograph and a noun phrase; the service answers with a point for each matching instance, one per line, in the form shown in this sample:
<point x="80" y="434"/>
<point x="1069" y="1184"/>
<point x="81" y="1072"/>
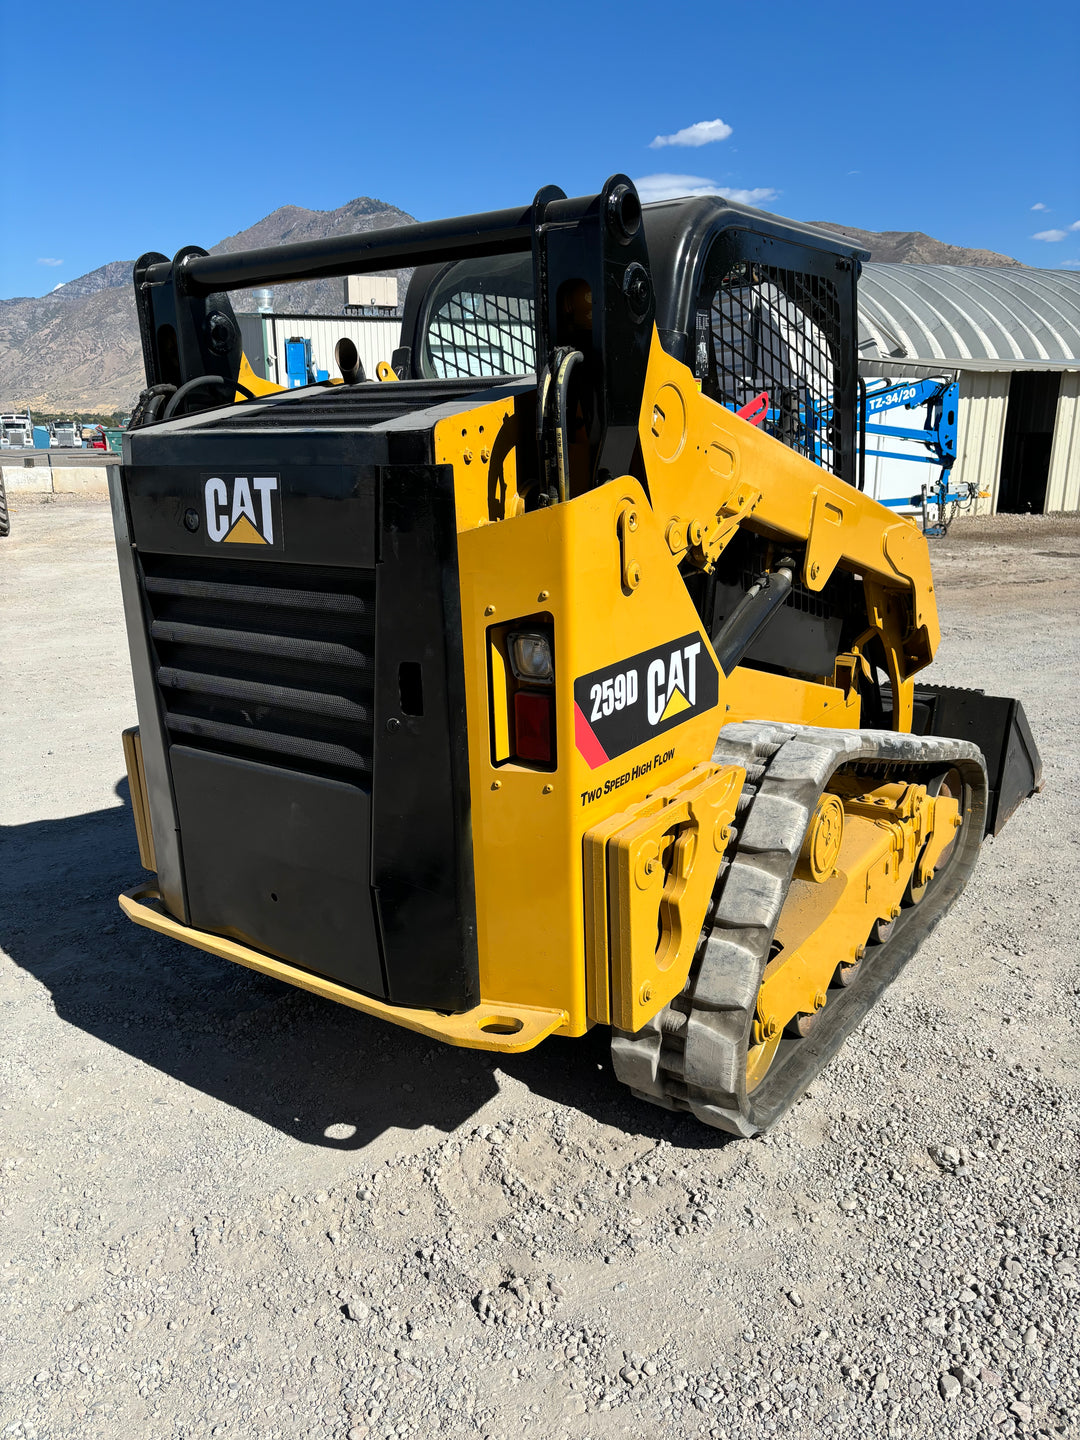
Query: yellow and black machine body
<point x="560" y="674"/>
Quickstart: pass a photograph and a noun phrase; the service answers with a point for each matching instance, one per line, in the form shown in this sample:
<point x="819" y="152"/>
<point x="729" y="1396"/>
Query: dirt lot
<point x="231" y="1209"/>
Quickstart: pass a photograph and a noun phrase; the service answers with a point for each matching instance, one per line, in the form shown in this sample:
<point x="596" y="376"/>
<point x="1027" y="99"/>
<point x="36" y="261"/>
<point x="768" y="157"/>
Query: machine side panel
<point x="422" y="863"/>
<point x="530" y="822"/>
<point x="166" y="832"/>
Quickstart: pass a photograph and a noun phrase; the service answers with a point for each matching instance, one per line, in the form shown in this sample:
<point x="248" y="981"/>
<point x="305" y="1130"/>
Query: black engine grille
<point x="343" y="406"/>
<point x="267" y="662"/>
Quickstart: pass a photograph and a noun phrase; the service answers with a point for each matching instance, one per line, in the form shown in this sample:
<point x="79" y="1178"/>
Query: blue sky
<point x="155" y="127"/>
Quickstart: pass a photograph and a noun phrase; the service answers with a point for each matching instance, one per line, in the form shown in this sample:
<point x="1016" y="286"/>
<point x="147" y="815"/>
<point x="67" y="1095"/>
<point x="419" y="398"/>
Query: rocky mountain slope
<point x="912" y="247"/>
<point x="117" y="273"/>
<point x="78" y="347"/>
<point x="291" y="224"/>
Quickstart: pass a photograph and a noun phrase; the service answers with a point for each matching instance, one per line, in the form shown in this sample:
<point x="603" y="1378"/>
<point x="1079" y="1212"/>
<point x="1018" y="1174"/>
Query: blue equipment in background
<point x="299" y="366"/>
<point x="807" y="422"/>
<point x="938" y="433"/>
<point x="940" y="399"/>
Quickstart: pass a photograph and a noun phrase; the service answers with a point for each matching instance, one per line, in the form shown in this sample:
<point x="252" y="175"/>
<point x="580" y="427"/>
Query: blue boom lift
<point x="939" y="499"/>
<point x="940" y="401"/>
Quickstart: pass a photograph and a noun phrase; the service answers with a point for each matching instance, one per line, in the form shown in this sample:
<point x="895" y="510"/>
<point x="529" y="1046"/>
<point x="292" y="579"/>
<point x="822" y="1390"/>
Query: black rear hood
<point x="282" y="572"/>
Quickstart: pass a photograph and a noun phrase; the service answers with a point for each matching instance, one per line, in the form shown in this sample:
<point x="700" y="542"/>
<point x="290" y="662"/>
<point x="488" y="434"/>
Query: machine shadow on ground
<point x="315" y="1070"/>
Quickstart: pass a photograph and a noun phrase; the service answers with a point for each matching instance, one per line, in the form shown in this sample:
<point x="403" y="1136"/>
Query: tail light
<point x="522" y="672"/>
<point x="530" y="656"/>
<point x="534" y="726"/>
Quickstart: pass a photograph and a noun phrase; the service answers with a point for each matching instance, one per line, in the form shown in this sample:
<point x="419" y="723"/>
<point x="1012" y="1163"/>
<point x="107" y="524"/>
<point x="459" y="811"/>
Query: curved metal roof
<point x="969" y="317"/>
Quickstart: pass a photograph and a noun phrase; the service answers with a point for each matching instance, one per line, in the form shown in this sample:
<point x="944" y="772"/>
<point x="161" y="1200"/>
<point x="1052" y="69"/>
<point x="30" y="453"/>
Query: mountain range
<point x="912" y="247"/>
<point x="78" y="347"/>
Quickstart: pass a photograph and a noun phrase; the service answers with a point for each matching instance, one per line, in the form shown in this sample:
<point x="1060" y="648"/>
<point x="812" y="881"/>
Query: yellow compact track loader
<point x="563" y="675"/>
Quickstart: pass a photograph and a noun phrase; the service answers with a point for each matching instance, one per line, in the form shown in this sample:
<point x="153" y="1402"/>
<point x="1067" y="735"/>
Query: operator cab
<point x="766" y="320"/>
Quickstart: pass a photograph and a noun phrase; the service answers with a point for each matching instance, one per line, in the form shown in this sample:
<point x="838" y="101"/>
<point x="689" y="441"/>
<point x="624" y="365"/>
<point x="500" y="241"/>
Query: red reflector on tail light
<point x="534" y="726"/>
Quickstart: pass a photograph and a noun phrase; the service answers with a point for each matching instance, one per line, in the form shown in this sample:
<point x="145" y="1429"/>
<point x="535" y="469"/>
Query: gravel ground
<point x="232" y="1209"/>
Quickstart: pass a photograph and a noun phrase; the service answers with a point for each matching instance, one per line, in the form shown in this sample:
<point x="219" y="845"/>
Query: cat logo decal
<point x="244" y="510"/>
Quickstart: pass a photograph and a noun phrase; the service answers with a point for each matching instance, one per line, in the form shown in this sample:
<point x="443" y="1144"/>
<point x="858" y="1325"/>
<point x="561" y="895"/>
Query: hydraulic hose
<point x="198" y="383"/>
<point x="542" y="392"/>
<point x="569" y="360"/>
<point x="553" y="392"/>
<point x="150" y="402"/>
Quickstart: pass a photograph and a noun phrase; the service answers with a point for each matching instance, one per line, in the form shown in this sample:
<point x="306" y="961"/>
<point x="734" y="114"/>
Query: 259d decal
<point x="632" y="701"/>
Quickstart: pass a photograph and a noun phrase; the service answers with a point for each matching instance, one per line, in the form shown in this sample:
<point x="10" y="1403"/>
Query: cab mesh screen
<point x="778" y="331"/>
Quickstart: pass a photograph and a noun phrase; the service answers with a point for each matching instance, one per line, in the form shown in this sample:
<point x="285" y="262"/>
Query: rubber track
<point x="5" y="523"/>
<point x="692" y="1055"/>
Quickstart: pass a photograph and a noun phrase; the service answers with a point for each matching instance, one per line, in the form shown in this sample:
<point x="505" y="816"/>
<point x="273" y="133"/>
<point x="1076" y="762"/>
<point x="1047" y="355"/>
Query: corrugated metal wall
<point x="375" y="339"/>
<point x="984" y="399"/>
<point x="1063" y="486"/>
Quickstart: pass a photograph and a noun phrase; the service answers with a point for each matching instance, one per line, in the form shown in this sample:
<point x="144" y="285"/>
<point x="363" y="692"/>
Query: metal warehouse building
<point x="265" y="337"/>
<point x="1012" y="337"/>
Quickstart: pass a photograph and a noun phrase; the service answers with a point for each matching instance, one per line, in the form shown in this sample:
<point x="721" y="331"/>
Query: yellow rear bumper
<point x="505" y="1028"/>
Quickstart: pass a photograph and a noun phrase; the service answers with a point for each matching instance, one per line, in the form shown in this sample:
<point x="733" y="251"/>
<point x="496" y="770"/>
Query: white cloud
<point x="705" y="132"/>
<point x="46" y="261"/>
<point x="1040" y="206"/>
<point x="748" y="197"/>
<point x="1070" y="264"/>
<point x="56" y="287"/>
<point x="674" y="187"/>
<point x="1050" y="235"/>
<point x="1075" y="225"/>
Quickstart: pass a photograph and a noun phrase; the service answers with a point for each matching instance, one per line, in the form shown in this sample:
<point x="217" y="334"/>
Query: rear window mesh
<point x="480" y="320"/>
<point x="476" y="334"/>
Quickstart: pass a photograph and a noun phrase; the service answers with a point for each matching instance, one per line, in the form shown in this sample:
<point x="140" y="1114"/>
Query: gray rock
<point x="949" y="1387"/>
<point x="967" y="1378"/>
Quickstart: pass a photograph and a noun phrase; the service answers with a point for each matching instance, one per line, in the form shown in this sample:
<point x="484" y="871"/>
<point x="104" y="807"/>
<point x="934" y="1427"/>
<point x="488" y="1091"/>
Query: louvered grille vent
<point x="267" y="662"/>
<point x="343" y="406"/>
